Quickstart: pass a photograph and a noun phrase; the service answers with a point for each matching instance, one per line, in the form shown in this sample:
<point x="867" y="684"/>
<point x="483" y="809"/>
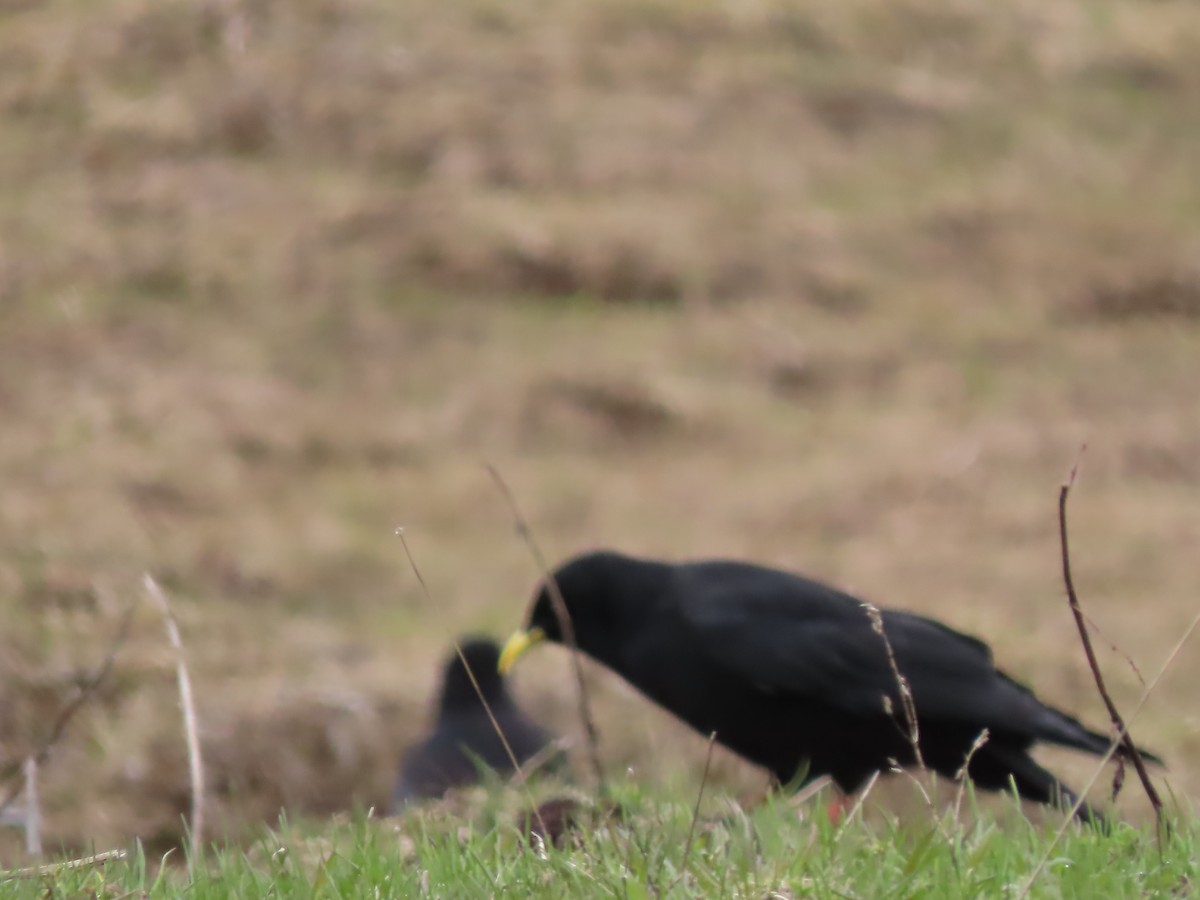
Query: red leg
<point x="838" y="807"/>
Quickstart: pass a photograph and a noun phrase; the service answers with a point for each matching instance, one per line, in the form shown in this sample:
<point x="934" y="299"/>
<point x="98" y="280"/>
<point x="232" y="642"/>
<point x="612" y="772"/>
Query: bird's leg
<point x="839" y="806"/>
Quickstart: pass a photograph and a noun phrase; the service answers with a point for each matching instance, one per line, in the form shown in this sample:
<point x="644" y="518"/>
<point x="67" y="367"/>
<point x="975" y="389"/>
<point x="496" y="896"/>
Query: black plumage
<point x="463" y="737"/>
<point x="792" y="675"/>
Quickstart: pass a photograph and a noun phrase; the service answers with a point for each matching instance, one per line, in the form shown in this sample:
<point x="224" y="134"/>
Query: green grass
<point x="653" y="850"/>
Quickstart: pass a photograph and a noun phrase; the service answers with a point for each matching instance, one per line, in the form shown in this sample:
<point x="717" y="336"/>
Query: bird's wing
<point x="789" y="635"/>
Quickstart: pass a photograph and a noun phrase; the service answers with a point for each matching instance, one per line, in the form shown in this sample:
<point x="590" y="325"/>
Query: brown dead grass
<point x="277" y="277"/>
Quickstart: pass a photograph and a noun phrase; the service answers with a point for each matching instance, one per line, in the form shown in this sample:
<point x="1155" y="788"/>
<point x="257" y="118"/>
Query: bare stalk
<point x="862" y="799"/>
<point x="191" y="730"/>
<point x="906" y="697"/>
<point x="961" y="775"/>
<point x="810" y="790"/>
<point x="87" y="688"/>
<point x="565" y="624"/>
<point x="33" y="810"/>
<point x="1129" y="748"/>
<point x="54" y="868"/>
<point x="519" y="777"/>
<point x="1112" y="748"/>
<point x="687" y="847"/>
<point x="551" y="751"/>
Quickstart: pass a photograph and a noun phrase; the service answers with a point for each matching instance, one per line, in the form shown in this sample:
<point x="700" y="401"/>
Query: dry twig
<point x="1126" y="741"/>
<point x="938" y="824"/>
<point x="687" y="847"/>
<point x="519" y="777"/>
<point x="961" y="775"/>
<point x="1112" y="748"/>
<point x="56" y="867"/>
<point x="564" y="622"/>
<point x="87" y="687"/>
<point x="190" y="728"/>
<point x="33" y="810"/>
<point x="1133" y="666"/>
<point x="856" y="809"/>
<point x="810" y="790"/>
<point x="543" y="757"/>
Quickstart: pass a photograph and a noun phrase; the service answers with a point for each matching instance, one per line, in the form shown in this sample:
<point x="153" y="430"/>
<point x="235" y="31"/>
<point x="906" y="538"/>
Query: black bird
<point x="464" y="737"/>
<point x="792" y="675"/>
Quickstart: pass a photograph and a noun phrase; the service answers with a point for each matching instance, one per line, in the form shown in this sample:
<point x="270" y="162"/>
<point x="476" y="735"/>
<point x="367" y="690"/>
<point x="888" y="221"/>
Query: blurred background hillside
<point x="839" y="286"/>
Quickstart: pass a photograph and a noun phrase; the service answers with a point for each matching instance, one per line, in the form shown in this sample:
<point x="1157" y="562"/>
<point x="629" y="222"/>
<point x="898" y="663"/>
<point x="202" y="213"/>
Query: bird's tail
<point x="1057" y="727"/>
<point x="1002" y="764"/>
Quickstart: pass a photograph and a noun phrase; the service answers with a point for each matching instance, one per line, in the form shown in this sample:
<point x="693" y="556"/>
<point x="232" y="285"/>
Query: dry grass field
<point x="841" y="287"/>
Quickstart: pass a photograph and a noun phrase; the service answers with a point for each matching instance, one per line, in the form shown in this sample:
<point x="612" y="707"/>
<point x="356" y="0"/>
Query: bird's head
<point x="461" y="689"/>
<point x="597" y="589"/>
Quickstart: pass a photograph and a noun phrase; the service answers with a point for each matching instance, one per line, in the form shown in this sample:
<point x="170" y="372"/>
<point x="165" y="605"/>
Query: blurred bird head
<point x="481" y="656"/>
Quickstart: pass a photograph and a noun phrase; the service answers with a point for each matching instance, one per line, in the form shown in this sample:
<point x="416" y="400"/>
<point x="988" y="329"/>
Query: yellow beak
<point x="516" y="646"/>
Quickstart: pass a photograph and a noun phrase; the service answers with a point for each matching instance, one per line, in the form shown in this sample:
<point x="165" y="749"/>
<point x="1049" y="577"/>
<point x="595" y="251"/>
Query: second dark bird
<point x="463" y="737"/>
<point x="791" y="675"/>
